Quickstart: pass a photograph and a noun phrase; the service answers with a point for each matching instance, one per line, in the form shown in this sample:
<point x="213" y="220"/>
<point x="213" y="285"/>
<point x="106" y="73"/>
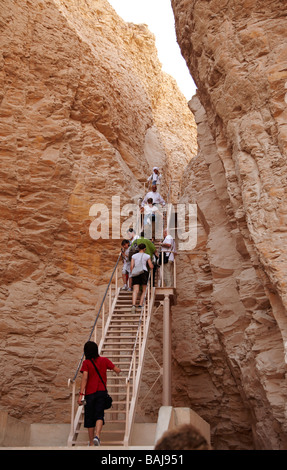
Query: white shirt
<point x="141" y="258"/>
<point x="156" y="198"/>
<point x="150" y="209"/>
<point x="155" y="177"/>
<point x="169" y="240"/>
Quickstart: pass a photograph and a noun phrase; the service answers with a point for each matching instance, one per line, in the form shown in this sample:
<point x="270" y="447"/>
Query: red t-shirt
<point x="94" y="383"/>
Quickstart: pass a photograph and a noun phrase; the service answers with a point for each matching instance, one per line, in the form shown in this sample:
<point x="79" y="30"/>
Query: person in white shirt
<point x="156" y="197"/>
<point x="132" y="236"/>
<point x="167" y="245"/>
<point x="155" y="177"/>
<point x="140" y="259"/>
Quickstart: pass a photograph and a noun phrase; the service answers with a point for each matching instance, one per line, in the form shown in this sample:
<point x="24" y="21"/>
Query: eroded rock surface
<point x="234" y="286"/>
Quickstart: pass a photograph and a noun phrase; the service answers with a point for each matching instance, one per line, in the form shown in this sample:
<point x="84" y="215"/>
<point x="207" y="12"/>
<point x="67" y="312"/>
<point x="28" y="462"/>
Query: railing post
<point x="140" y="348"/>
<point x="134" y="371"/>
<point x="144" y="318"/>
<point x="127" y="410"/>
<point x="73" y="409"/>
<point x="174" y="272"/>
<point x="103" y="321"/>
<point x="146" y="307"/>
<point x="166" y="401"/>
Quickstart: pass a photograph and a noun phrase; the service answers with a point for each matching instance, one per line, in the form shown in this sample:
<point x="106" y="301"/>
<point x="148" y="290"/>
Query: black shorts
<point x="141" y="279"/>
<point x="94" y="408"/>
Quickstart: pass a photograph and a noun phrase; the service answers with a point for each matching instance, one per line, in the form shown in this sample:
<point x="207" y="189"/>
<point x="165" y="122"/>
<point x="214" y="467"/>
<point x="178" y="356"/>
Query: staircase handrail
<point x="138" y="344"/>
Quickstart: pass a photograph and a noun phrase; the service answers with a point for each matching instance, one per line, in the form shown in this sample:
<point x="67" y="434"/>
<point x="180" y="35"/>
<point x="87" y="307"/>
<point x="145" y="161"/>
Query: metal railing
<point x="109" y="298"/>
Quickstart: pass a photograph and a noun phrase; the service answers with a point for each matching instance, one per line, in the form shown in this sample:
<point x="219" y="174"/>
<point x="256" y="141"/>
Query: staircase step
<point x="120" y="337"/>
<point x="128" y="329"/>
<point x="120" y="377"/>
<point x="125" y="310"/>
<point x="126" y="316"/>
<point x="125" y="320"/>
<point x="119" y="347"/>
<point x="117" y="421"/>
<point x="120" y="343"/>
<point x="111" y="431"/>
<point x="119" y="403"/>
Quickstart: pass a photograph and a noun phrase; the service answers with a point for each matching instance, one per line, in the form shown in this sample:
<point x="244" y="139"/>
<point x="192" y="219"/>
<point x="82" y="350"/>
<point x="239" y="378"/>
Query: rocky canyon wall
<point x="232" y="294"/>
<point x="85" y="113"/>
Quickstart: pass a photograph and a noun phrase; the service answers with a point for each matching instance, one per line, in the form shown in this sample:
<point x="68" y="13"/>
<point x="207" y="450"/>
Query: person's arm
<point x="166" y="245"/>
<point x="117" y="370"/>
<point x="149" y="262"/>
<point x="145" y="200"/>
<point x="83" y="387"/>
<point x="132" y="264"/>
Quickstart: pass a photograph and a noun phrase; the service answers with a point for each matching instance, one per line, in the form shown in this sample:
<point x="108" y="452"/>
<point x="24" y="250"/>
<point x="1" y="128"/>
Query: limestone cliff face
<point x="85" y="112"/>
<point x="233" y="292"/>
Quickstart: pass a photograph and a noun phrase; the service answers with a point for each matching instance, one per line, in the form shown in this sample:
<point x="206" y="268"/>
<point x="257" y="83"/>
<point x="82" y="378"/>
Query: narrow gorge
<point x="86" y="112"/>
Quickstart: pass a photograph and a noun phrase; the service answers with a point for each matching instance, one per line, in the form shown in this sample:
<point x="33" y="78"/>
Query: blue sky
<point x="158" y="15"/>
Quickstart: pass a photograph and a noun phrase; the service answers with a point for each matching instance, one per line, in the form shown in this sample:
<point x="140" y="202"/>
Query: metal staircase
<point x="123" y="341"/>
<point x="122" y="337"/>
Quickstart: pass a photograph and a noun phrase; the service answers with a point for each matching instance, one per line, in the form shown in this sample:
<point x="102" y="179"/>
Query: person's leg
<point x="142" y="296"/>
<point x="135" y="293"/>
<point x="99" y="416"/>
<point x="89" y="416"/>
<point x="91" y="433"/>
<point x="99" y="427"/>
<point x="125" y="280"/>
